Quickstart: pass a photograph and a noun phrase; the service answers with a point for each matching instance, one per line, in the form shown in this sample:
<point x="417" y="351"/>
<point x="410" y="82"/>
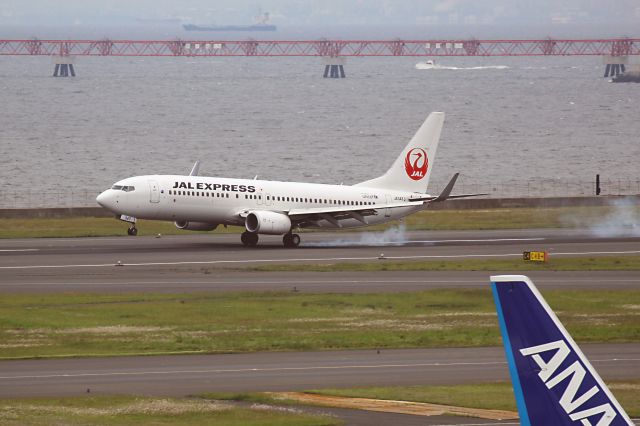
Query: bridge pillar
<point x="334" y="67"/>
<point x="64" y="66"/>
<point x="622" y="68"/>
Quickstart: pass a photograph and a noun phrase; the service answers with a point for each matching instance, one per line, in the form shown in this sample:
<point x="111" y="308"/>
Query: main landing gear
<point x="249" y="239"/>
<point x="133" y="231"/>
<point x="291" y="240"/>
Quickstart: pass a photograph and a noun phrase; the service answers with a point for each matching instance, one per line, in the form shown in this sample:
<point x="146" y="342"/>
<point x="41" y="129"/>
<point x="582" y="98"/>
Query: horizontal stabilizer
<point x="553" y="382"/>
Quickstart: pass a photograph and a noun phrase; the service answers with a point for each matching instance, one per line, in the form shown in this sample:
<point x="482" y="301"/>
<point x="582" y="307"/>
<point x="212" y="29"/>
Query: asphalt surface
<point x="281" y="371"/>
<point x="195" y="263"/>
<point x="219" y="263"/>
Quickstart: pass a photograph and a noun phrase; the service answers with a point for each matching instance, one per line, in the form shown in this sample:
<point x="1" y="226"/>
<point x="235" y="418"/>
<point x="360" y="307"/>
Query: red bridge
<point x="616" y="51"/>
<point x="325" y="48"/>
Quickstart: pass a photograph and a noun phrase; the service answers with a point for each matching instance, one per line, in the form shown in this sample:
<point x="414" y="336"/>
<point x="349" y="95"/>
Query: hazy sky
<point x="325" y="12"/>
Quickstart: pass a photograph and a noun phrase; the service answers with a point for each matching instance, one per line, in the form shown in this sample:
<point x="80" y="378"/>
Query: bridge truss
<point x="323" y="48"/>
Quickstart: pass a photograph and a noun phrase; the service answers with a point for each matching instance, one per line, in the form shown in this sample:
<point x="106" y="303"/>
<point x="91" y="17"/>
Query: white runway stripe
<point x="276" y="369"/>
<point x="288" y="282"/>
<point x="316" y="259"/>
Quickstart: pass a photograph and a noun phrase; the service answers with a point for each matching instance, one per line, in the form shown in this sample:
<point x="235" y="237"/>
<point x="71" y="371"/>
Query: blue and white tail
<point x="553" y="382"/>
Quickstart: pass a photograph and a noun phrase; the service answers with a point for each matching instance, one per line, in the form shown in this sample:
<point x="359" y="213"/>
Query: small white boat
<point x="427" y="65"/>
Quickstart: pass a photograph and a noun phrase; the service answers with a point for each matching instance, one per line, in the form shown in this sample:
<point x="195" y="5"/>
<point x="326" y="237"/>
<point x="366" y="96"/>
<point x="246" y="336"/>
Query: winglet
<point x="195" y="169"/>
<point x="447" y="190"/>
<point x="553" y="382"/>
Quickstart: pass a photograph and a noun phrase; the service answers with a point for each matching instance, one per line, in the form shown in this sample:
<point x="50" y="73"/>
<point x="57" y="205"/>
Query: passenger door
<point x="388" y="200"/>
<point x="154" y="192"/>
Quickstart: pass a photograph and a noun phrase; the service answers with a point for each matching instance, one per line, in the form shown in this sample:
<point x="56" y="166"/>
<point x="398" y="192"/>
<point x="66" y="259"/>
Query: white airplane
<point x="277" y="208"/>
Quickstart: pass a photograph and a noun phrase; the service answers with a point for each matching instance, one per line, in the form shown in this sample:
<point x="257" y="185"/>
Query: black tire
<point x="133" y="231"/>
<point x="249" y="239"/>
<point x="291" y="240"/>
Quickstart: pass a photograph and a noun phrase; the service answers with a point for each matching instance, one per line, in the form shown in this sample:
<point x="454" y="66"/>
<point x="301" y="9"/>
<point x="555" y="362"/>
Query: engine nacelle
<point x="195" y="226"/>
<point x="265" y="222"/>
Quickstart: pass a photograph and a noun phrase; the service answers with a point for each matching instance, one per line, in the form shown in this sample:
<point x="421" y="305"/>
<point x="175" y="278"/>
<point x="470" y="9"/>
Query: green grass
<point x="601" y="263"/>
<point x="128" y="410"/>
<point x="510" y="218"/>
<point x="47" y="325"/>
<point x="255" y="397"/>
<point x="516" y="218"/>
<point x="87" y="227"/>
<point x="495" y="396"/>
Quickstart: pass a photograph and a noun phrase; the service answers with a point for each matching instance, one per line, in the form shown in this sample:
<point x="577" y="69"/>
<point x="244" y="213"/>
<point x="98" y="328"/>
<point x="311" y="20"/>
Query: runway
<point x="279" y="371"/>
<point x="192" y="263"/>
<point x="203" y="263"/>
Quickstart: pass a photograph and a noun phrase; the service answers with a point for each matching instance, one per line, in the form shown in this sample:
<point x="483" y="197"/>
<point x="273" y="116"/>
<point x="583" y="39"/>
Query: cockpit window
<point x="125" y="188"/>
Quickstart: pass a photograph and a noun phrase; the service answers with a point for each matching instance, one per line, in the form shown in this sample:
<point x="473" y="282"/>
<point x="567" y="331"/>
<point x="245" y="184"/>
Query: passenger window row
<point x="200" y="194"/>
<point x="321" y="201"/>
<point x="273" y="198"/>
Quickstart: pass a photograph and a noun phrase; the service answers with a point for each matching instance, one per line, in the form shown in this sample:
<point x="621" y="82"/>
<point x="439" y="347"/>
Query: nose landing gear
<point x="133" y="231"/>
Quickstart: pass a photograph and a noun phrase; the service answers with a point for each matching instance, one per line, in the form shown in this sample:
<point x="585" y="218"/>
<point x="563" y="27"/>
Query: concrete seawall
<point x="465" y="204"/>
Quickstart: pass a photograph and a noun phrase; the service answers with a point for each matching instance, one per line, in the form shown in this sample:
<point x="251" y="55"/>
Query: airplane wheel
<point x="249" y="239"/>
<point x="291" y="240"/>
<point x="133" y="231"/>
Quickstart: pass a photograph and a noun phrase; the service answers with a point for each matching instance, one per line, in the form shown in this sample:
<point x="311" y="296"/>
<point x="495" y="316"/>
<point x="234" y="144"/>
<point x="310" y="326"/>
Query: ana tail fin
<point x="411" y="170"/>
<point x="553" y="382"/>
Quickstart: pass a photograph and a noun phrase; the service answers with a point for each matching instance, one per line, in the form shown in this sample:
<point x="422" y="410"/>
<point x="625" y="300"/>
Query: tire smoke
<point x="623" y="220"/>
<point x="396" y="235"/>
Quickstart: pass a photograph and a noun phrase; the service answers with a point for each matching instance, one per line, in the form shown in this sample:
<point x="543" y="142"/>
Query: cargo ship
<point x="262" y="24"/>
<point x="255" y="27"/>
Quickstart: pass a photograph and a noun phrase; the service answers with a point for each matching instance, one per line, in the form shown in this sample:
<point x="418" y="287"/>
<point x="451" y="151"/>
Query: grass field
<point x="128" y="410"/>
<point x="564" y="217"/>
<point x="46" y="325"/>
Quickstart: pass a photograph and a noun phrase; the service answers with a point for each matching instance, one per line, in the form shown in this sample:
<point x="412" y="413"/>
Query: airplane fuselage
<point x="224" y="201"/>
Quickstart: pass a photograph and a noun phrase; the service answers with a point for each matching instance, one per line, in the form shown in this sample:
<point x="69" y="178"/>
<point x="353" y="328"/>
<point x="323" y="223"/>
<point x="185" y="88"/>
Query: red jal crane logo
<point x="416" y="163"/>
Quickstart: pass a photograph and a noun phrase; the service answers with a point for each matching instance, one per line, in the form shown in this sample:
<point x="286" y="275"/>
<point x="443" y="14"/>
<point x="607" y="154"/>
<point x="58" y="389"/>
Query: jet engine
<point x="195" y="226"/>
<point x="266" y="222"/>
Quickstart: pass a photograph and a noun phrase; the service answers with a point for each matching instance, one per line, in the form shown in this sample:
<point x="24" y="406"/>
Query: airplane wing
<point x="333" y="215"/>
<point x="309" y="216"/>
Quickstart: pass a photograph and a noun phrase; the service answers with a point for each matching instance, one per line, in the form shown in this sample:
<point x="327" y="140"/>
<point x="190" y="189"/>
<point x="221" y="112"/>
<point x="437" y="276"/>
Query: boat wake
<point x="423" y="66"/>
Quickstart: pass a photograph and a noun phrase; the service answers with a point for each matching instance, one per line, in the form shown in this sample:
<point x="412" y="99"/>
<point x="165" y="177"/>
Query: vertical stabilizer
<point x="553" y="382"/>
<point x="411" y="170"/>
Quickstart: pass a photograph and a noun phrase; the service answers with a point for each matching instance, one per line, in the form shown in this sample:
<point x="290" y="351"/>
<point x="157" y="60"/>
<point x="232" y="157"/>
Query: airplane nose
<point x="105" y="199"/>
